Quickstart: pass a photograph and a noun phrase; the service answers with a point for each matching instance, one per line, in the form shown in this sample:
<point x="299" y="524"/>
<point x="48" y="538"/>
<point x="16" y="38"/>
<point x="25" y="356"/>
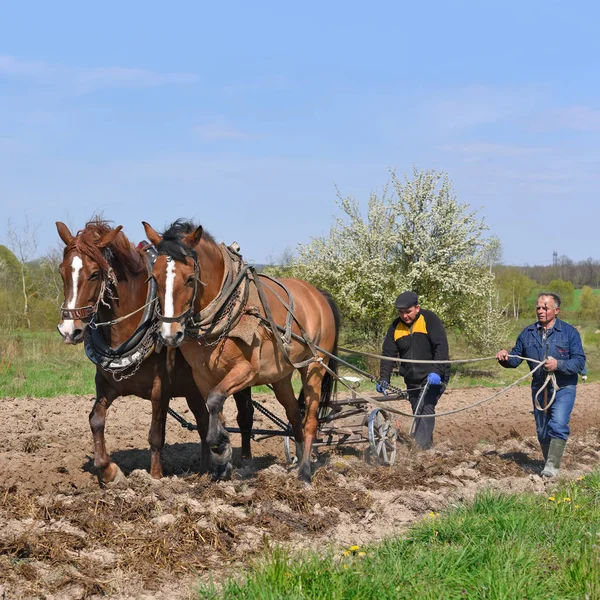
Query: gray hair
<point x="552" y="295"/>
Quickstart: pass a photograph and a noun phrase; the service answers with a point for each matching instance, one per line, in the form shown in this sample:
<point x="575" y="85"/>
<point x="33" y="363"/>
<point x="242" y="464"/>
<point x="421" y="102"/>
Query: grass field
<point x="498" y="547"/>
<point x="40" y="365"/>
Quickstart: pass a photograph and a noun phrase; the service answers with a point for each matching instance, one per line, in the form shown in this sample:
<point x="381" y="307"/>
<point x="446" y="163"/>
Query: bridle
<point x="86" y="313"/>
<point x="182" y="317"/>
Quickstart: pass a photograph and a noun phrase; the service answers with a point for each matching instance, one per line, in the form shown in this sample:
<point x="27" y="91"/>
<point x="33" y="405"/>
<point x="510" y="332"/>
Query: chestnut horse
<point x="239" y="347"/>
<point x="106" y="279"/>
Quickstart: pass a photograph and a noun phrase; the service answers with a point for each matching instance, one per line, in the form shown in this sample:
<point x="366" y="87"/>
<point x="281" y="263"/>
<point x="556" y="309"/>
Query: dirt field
<point x="63" y="537"/>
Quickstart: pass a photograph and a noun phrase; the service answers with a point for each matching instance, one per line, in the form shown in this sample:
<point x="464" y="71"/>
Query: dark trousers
<point x="423" y="429"/>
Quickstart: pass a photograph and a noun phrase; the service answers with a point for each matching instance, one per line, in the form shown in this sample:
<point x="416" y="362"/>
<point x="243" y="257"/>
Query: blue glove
<point x="382" y="386"/>
<point x="434" y="379"/>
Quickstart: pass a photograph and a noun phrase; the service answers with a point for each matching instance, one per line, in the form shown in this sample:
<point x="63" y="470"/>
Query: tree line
<point x="414" y="234"/>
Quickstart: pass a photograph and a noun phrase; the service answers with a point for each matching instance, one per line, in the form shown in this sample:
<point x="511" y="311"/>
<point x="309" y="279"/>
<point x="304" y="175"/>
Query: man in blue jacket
<point x="417" y="334"/>
<point x="558" y="344"/>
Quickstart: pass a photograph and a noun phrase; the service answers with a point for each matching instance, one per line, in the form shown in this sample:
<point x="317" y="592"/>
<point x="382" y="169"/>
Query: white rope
<point x="452" y="412"/>
<point x="414" y="360"/>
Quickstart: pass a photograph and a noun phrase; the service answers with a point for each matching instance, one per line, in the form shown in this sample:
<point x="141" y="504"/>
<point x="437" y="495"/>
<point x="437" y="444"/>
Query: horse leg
<point x="284" y="392"/>
<point x="245" y="419"/>
<point x="108" y="472"/>
<point x="197" y="405"/>
<point x="218" y="438"/>
<point x="156" y="435"/>
<point x="312" y="377"/>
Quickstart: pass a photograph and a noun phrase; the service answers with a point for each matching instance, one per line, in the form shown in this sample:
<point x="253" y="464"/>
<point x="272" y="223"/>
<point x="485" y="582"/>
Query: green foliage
<point x="498" y="546"/>
<point x="9" y="263"/>
<point x="417" y="237"/>
<point x="515" y="289"/>
<point x="564" y="289"/>
<point x="589" y="305"/>
<point x="42" y="284"/>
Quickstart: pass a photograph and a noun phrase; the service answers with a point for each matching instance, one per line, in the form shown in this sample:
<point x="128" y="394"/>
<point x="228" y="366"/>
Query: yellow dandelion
<point x="552" y="498"/>
<point x="362" y="553"/>
<point x="576" y="505"/>
<point x="567" y="500"/>
<point x="347" y="553"/>
<point x="353" y="548"/>
<point x="345" y="566"/>
<point x="582" y="478"/>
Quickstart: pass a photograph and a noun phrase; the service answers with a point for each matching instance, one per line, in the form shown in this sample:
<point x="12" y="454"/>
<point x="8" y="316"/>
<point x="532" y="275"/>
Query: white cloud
<point x="89" y="78"/>
<point x="219" y="130"/>
<point x="483" y="149"/>
<point x="465" y="108"/>
<point x="579" y="118"/>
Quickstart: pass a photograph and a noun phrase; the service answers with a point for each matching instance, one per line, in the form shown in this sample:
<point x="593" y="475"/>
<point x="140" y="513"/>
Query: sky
<point x="248" y="116"/>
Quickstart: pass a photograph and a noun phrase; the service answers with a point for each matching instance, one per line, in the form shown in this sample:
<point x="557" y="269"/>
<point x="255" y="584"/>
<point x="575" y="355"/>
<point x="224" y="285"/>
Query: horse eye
<point x="94" y="275"/>
<point x="190" y="280"/>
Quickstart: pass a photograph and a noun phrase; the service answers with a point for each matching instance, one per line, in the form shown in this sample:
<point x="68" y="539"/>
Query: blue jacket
<point x="563" y="343"/>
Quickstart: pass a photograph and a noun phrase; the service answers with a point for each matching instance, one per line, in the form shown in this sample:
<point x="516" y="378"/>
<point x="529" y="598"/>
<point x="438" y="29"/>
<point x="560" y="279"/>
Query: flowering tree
<point x="418" y="237"/>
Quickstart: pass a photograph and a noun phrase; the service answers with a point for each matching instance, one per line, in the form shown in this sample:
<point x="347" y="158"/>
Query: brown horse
<point x="106" y="279"/>
<point x="235" y="347"/>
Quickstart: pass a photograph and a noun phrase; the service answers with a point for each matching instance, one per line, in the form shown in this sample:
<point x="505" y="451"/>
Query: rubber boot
<point x="555" y="452"/>
<point x="544" y="448"/>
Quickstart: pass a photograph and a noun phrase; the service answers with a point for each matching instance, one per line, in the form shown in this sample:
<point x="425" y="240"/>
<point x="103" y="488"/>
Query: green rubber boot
<point x="555" y="452"/>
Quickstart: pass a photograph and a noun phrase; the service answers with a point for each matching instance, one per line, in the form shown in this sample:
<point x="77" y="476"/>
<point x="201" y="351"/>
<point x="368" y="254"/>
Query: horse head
<point x="177" y="274"/>
<point x="86" y="274"/>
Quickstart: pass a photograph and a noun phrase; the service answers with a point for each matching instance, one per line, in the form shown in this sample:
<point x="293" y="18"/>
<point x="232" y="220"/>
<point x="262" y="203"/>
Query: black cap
<point x="406" y="300"/>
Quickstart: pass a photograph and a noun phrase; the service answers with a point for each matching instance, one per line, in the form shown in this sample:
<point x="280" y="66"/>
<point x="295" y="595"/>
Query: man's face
<point x="546" y="310"/>
<point x="408" y="315"/>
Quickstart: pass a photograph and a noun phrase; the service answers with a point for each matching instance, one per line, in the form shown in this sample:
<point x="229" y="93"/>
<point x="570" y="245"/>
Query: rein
<point x="283" y="341"/>
<point x="85" y="313"/>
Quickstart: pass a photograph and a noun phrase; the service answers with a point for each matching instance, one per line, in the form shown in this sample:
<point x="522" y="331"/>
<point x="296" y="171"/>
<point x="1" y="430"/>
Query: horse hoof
<point x="305" y="475"/>
<point x="112" y="475"/>
<point x="221" y="462"/>
<point x="222" y="472"/>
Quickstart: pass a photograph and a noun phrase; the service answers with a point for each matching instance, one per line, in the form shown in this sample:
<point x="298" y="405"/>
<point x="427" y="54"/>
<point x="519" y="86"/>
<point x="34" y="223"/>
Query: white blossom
<point x="417" y="238"/>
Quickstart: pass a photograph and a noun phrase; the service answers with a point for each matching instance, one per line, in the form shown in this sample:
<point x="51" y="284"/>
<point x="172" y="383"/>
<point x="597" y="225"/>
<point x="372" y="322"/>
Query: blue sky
<point x="246" y="116"/>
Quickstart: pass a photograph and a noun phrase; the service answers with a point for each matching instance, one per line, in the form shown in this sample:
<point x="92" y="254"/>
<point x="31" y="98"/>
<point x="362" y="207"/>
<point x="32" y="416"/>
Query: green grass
<point x="40" y="365"/>
<point x="575" y="305"/>
<point x="497" y="547"/>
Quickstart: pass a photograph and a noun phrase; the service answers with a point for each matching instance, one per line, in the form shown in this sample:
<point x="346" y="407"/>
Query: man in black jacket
<point x="417" y="334"/>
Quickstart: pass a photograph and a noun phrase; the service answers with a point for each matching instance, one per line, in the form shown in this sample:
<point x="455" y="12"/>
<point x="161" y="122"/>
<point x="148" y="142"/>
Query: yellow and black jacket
<point x="425" y="339"/>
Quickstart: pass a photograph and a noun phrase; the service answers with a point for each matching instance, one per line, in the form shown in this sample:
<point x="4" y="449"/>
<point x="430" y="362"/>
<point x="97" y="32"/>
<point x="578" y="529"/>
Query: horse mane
<point x="120" y="251"/>
<point x="172" y="240"/>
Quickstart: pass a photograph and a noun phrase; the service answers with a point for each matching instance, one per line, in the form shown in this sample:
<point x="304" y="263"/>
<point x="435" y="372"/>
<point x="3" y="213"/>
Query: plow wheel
<point x="382" y="437"/>
<point x="289" y="449"/>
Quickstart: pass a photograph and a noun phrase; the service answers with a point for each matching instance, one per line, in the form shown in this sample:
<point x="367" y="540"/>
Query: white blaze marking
<point x="169" y="307"/>
<point x="67" y="327"/>
<point x="76" y="265"/>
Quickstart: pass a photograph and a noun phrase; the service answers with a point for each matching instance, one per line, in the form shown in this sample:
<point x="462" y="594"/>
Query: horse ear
<point x="63" y="231"/>
<point x="192" y="239"/>
<point x="109" y="238"/>
<point x="151" y="234"/>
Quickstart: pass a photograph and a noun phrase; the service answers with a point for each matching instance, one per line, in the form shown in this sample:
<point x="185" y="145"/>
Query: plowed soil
<point x="62" y="536"/>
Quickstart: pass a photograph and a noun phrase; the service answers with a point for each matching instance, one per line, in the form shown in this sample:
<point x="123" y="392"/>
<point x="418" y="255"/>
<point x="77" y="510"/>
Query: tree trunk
<point x="25" y="298"/>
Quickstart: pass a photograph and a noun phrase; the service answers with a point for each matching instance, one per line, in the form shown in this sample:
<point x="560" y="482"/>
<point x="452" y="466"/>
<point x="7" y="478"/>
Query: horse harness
<point x="221" y="316"/>
<point x="123" y="361"/>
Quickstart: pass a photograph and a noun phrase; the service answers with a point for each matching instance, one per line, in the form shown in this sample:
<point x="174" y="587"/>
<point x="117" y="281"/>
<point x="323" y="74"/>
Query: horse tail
<point x="329" y="383"/>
